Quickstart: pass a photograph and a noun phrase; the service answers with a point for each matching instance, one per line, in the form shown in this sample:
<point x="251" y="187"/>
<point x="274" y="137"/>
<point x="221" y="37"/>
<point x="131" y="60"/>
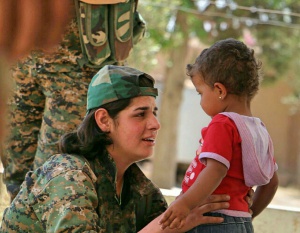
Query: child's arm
<point x="263" y="195"/>
<point x="207" y="181"/>
<point x="195" y="218"/>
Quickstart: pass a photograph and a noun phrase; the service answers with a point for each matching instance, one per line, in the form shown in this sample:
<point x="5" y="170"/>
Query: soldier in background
<point x="50" y="95"/>
<point x="22" y="26"/>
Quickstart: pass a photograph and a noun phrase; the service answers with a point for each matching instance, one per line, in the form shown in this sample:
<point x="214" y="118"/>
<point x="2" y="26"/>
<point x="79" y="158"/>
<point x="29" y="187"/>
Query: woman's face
<point x="134" y="131"/>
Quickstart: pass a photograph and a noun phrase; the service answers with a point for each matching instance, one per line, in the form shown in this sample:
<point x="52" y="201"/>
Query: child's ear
<point x="221" y="90"/>
<point x="103" y="119"/>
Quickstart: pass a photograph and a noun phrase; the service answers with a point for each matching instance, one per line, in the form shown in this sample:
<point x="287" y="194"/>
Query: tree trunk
<point x="293" y="159"/>
<point x="165" y="156"/>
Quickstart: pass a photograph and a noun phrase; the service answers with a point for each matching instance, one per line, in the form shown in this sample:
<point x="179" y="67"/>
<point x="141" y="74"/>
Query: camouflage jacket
<point x="67" y="194"/>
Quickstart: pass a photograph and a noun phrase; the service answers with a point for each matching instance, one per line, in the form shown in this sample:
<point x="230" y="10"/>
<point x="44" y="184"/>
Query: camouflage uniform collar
<point x="106" y="162"/>
<point x="139" y="184"/>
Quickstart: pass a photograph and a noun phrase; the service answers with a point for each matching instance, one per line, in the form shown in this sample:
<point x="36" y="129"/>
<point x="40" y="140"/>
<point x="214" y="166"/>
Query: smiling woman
<point x="94" y="185"/>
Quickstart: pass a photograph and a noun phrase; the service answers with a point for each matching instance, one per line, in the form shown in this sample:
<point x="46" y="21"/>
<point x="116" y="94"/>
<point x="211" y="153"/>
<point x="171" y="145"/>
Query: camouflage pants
<point x="49" y="100"/>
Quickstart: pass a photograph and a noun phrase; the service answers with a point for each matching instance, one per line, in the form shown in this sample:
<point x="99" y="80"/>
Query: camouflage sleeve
<point x="68" y="203"/>
<point x="158" y="206"/>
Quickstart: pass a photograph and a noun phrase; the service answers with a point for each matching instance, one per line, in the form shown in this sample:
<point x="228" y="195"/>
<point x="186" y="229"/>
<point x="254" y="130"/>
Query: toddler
<point x="236" y="151"/>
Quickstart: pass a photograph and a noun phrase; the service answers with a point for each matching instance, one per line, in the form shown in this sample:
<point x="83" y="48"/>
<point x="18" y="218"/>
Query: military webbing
<point x="108" y="32"/>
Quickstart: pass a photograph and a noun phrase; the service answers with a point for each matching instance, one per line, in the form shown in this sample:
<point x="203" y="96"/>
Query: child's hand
<point x="174" y="216"/>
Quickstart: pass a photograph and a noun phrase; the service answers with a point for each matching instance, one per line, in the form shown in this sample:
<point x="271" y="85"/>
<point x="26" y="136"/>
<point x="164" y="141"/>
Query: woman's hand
<point x="195" y="218"/>
<point x="213" y="202"/>
<point x="249" y="200"/>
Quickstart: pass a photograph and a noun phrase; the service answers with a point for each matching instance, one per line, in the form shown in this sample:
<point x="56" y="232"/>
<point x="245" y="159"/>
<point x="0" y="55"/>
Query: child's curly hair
<point x="231" y="63"/>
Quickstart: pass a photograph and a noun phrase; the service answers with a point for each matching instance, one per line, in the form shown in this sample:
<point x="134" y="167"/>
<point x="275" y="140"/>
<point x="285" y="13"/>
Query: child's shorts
<point x="229" y="225"/>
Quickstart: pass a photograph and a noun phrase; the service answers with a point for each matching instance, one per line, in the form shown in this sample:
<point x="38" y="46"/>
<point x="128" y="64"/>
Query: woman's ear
<point x="102" y="119"/>
<point x="221" y="90"/>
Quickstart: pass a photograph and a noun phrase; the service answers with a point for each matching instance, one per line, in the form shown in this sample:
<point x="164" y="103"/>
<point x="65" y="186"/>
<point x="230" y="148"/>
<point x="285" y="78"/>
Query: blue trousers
<point x="230" y="225"/>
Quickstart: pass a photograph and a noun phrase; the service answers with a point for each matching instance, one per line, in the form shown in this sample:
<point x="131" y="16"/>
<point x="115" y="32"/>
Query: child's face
<point x="210" y="101"/>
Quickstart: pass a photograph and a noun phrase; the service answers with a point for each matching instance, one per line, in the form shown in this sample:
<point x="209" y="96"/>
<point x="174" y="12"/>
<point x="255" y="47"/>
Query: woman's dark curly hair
<point x="231" y="63"/>
<point x="89" y="140"/>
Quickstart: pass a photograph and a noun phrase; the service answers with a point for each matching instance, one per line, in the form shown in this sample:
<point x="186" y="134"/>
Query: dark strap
<point x="141" y="211"/>
<point x="136" y="5"/>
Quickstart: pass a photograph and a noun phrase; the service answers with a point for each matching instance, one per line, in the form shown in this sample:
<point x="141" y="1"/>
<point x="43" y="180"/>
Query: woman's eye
<point x="141" y="114"/>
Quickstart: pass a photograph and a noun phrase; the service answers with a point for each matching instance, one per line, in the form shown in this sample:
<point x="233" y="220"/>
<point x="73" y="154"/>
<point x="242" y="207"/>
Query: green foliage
<point x="279" y="50"/>
<point x="276" y="35"/>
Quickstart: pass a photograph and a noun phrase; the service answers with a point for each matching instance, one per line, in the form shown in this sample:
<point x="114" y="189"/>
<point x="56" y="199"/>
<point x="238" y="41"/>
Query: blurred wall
<point x="282" y="127"/>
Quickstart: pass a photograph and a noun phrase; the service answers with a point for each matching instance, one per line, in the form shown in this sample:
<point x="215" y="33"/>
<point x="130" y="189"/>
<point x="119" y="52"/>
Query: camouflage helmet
<point x="113" y="83"/>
